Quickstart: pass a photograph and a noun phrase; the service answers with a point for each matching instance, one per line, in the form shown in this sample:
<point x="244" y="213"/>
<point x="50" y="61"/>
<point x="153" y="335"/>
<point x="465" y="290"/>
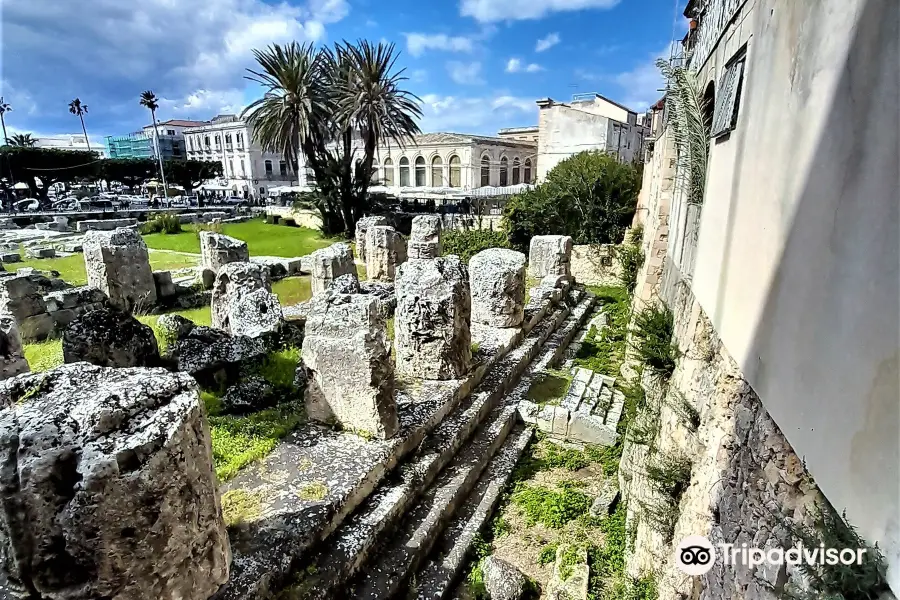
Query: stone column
<point x="550" y="255"/>
<point x="362" y="226"/>
<point x="217" y="250"/>
<point x="242" y="300"/>
<point x="118" y="264"/>
<point x="431" y="323"/>
<point x="385" y="250"/>
<point x="349" y="360"/>
<point x="425" y="237"/>
<point x="109" y="488"/>
<point x="328" y="264"/>
<point x="22" y="298"/>
<point x="12" y="358"/>
<point x="498" y="287"/>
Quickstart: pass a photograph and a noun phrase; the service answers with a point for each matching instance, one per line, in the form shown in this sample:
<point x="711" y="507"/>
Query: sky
<point x="476" y="65"/>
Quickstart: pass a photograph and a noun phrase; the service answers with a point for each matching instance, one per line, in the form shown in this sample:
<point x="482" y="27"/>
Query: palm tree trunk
<point x="84" y="129"/>
<point x="5" y="139"/>
<point x="162" y="172"/>
<point x="347" y="182"/>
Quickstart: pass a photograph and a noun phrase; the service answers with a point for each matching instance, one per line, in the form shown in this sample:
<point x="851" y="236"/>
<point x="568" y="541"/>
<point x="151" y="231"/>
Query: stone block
<point x="502" y="580"/>
<point x="327" y="264"/>
<point x="22" y="297"/>
<point x="590" y="429"/>
<point x="385" y="251"/>
<point x="207" y="278"/>
<point x="164" y="285"/>
<point x="431" y="324"/>
<point x="109" y="338"/>
<point x="550" y="255"/>
<point x="110" y="488"/>
<point x="118" y="264"/>
<point x="40" y="252"/>
<point x="105" y="224"/>
<point x="498" y="287"/>
<point x="233" y="281"/>
<point x="63" y="317"/>
<point x="351" y="376"/>
<point x="255" y="313"/>
<point x="425" y="237"/>
<point x="10" y="257"/>
<point x="217" y="250"/>
<point x="12" y="357"/>
<point x="362" y="226"/>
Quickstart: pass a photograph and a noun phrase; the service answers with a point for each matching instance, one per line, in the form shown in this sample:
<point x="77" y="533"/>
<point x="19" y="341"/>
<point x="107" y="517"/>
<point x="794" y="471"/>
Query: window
<point x="516" y="171"/>
<point x="170" y="132"/>
<point x="240" y="140"/>
<point x="228" y="139"/>
<point x="206" y="141"/>
<point x="504" y="172"/>
<point x="262" y="191"/>
<point x="455" y="172"/>
<point x="388" y="172"/>
<point x="726" y="103"/>
<point x="218" y="142"/>
<point x="404" y="172"/>
<point x="243" y="171"/>
<point x="268" y="167"/>
<point x="282" y="168"/>
<point x="485" y="171"/>
<point x="437" y="172"/>
<point x="420" y="171"/>
<point x="527" y="178"/>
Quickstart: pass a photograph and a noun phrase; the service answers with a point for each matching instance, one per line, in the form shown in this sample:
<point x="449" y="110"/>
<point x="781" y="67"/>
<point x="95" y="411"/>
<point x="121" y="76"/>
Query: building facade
<point x="248" y="172"/>
<point x="143" y="144"/>
<point x="72" y="141"/>
<point x="589" y="122"/>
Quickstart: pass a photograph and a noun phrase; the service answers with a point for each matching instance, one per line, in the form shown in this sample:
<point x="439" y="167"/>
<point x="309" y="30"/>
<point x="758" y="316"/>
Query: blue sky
<point x="477" y="65"/>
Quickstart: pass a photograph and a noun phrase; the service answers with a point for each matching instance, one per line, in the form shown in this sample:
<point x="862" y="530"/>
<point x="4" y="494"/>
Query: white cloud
<point x="419" y="43"/>
<point x="418" y="75"/>
<point x="487" y="11"/>
<point x="642" y="85"/>
<point x="547" y="42"/>
<point x="203" y="104"/>
<point x="483" y="115"/>
<point x="514" y="65"/>
<point x="465" y="73"/>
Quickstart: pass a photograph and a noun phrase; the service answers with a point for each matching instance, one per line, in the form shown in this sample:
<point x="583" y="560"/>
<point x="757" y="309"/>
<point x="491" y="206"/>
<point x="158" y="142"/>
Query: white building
<point x="248" y="172"/>
<point x="589" y="122"/>
<point x="69" y="141"/>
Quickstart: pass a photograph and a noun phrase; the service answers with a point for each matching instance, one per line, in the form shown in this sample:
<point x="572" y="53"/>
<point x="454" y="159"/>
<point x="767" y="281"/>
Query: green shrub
<point x="161" y="223"/>
<point x="468" y="242"/>
<point x="669" y="474"/>
<point x="685" y="410"/>
<point x="654" y="328"/>
<point x="553" y="508"/>
<point x="630" y="259"/>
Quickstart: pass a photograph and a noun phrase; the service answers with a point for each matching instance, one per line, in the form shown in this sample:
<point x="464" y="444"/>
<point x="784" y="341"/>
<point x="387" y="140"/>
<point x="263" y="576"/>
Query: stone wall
<point x="595" y="265"/>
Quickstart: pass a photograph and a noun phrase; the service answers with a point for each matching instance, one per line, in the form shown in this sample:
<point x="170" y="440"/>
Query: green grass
<point x="549" y="387"/>
<point x="43" y="356"/>
<point x="262" y="239"/>
<point x="292" y="290"/>
<point x="71" y="268"/>
<point x="551" y="507"/>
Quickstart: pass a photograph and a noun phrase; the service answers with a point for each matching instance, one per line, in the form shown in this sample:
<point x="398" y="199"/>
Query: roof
<point x="528" y="129"/>
<point x="183" y="123"/>
<point x="443" y="137"/>
<point x="613" y="102"/>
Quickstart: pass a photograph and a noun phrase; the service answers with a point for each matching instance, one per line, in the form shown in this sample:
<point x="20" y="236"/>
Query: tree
<point x="149" y="100"/>
<point x="22" y="140"/>
<point x="79" y="110"/>
<point x="590" y="196"/>
<point x="4" y="108"/>
<point x="132" y="172"/>
<point x="191" y="173"/>
<point x="49" y="165"/>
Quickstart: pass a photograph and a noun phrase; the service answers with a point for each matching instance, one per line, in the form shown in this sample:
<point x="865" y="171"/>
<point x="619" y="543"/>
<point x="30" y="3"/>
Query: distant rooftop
<point x="444" y="137"/>
<point x="529" y="129"/>
<point x="580" y="98"/>
<point x="184" y="123"/>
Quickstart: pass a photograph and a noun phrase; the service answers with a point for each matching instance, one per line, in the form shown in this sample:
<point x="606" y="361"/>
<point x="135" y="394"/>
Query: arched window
<point x="388" y="172"/>
<point x="527" y="178"/>
<point x="455" y="174"/>
<point x="437" y="172"/>
<point x="516" y="171"/>
<point x="404" y="172"/>
<point x="485" y="171"/>
<point x="282" y="168"/>
<point x="504" y="172"/>
<point x="268" y="167"/>
<point x="420" y="171"/>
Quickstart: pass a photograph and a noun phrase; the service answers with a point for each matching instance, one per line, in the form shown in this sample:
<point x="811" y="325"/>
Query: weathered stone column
<point x="242" y="300"/>
<point x="328" y="264"/>
<point x="217" y="250"/>
<point x="431" y="324"/>
<point x="425" y="237"/>
<point x="550" y="255"/>
<point x="109" y="488"/>
<point x="362" y="226"/>
<point x="498" y="287"/>
<point x="118" y="264"/>
<point x="22" y="297"/>
<point x="385" y="250"/>
<point x="349" y="360"/>
<point x="12" y="358"/>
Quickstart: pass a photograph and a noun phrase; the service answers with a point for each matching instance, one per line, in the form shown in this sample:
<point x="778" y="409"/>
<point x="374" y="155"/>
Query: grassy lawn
<point x="71" y="268"/>
<point x="262" y="239"/>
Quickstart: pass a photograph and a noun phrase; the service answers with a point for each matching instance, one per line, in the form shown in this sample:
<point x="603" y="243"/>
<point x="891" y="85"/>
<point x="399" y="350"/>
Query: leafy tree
<point x="22" y="140"/>
<point x="128" y="171"/>
<point x="79" y="110"/>
<point x="49" y="165"/>
<point x="191" y="173"/>
<point x="590" y="196"/>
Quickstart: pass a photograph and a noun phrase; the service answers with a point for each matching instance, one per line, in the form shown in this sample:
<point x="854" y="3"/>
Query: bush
<point x="630" y="259"/>
<point x="654" y="327"/>
<point x="467" y="243"/>
<point x="590" y="196"/>
<point x="161" y="223"/>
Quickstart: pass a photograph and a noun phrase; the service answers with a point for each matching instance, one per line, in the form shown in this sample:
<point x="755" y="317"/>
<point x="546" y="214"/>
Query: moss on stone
<point x="314" y="491"/>
<point x="241" y="506"/>
<point x="550" y="387"/>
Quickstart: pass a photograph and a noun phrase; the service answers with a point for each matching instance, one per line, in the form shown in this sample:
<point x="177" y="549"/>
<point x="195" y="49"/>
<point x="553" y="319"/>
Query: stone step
<point x="581" y="381"/>
<point x="437" y="576"/>
<point x="592" y="395"/>
<point x="395" y="560"/>
<point x="343" y="553"/>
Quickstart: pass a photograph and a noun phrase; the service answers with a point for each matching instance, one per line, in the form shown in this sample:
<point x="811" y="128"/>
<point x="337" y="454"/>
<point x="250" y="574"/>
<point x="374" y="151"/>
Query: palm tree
<point x="79" y="110"/>
<point x="22" y="140"/>
<point x="4" y="108"/>
<point x="149" y="100"/>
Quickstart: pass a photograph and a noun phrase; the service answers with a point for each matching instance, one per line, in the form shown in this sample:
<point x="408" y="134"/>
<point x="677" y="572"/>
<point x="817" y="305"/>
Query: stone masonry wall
<point x="595" y="265"/>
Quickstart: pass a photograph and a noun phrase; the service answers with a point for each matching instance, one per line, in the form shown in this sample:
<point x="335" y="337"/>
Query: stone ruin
<point x="327" y="264"/>
<point x="109" y="490"/>
<point x="108" y="337"/>
<point x="12" y="357"/>
<point x="550" y="255"/>
<point x="385" y="251"/>
<point x="217" y="250"/>
<point x="118" y="264"/>
<point x="351" y="376"/>
<point x="243" y="302"/>
<point x="425" y="237"/>
<point x="431" y="324"/>
<point x="498" y="287"/>
<point x="362" y="226"/>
